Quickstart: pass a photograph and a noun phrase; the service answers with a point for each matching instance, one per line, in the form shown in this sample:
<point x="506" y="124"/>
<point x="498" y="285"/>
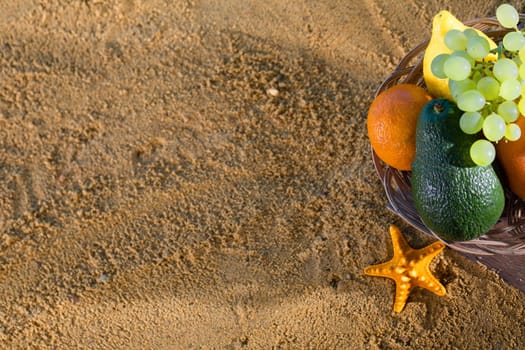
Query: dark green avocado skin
<point x="455" y="198"/>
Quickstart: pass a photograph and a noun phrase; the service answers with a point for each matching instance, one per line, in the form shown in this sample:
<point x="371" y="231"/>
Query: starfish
<point x="409" y="268"/>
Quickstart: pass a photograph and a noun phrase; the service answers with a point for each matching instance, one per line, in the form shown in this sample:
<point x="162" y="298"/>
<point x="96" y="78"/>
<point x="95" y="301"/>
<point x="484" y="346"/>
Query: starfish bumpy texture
<point x="409" y="268"/>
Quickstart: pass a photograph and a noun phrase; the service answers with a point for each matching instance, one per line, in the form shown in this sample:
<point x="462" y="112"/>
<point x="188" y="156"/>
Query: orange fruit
<point x="392" y="120"/>
<point x="511" y="155"/>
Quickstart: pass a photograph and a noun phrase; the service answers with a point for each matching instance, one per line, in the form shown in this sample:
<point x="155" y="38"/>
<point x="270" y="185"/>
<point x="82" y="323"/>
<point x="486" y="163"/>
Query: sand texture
<point x="197" y="175"/>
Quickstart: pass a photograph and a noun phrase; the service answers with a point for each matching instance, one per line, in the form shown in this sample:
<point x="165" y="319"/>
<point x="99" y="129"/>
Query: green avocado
<point x="455" y="198"/>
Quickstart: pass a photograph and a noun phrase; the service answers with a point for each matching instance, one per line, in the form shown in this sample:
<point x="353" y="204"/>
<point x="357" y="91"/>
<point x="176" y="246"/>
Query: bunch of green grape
<point x="487" y="85"/>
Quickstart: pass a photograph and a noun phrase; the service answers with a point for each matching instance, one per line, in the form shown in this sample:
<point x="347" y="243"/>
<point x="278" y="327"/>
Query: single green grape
<point x="510" y="89"/>
<point x="489" y="87"/>
<point x="471" y="122"/>
<point x="513" y="41"/>
<point x="457" y="68"/>
<point x="458" y="87"/>
<point x="512" y="132"/>
<point x="507" y="16"/>
<point x="494" y="127"/>
<point x="465" y="55"/>
<point x="505" y="69"/>
<point x="508" y="110"/>
<point x="437" y="65"/>
<point x="456" y="40"/>
<point x="482" y="152"/>
<point x="470" y="33"/>
<point x="478" y="47"/>
<point x="471" y="101"/>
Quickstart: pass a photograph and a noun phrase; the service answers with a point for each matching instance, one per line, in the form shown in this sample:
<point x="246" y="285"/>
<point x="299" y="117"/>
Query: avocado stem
<point x="438" y="107"/>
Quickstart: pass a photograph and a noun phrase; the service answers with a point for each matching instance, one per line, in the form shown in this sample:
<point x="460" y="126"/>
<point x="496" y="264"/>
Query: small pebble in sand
<point x="272" y="92"/>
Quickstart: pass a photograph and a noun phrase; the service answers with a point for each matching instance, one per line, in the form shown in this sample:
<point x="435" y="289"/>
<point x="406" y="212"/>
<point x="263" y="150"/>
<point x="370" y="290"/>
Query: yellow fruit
<point x="442" y="23"/>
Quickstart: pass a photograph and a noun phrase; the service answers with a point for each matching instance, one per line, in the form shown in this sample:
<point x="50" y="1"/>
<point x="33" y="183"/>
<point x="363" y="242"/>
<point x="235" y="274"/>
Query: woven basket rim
<point x="507" y="237"/>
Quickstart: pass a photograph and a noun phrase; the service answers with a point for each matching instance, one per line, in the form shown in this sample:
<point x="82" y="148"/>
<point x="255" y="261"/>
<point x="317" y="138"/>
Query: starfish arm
<point x="423" y="257"/>
<point x="399" y="242"/>
<point x="432" y="284"/>
<point x="402" y="293"/>
<point x="429" y="252"/>
<point x="381" y="270"/>
<point x="427" y="279"/>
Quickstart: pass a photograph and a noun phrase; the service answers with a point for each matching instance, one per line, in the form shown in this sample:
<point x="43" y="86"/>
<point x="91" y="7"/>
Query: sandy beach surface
<point x="197" y="175"/>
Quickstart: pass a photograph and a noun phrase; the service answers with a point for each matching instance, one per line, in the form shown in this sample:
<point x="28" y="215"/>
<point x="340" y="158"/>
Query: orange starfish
<point x="409" y="268"/>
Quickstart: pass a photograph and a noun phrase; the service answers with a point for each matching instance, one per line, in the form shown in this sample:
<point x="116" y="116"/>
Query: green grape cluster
<point x="487" y="89"/>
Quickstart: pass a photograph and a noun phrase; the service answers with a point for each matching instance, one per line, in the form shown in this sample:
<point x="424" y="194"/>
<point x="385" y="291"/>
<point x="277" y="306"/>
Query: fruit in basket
<point x="391" y="123"/>
<point x="443" y="23"/>
<point x="511" y="155"/>
<point x="487" y="84"/>
<point x="507" y="15"/>
<point x="455" y="198"/>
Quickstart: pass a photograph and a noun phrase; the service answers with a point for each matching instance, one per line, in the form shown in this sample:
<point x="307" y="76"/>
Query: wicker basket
<point x="507" y="237"/>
